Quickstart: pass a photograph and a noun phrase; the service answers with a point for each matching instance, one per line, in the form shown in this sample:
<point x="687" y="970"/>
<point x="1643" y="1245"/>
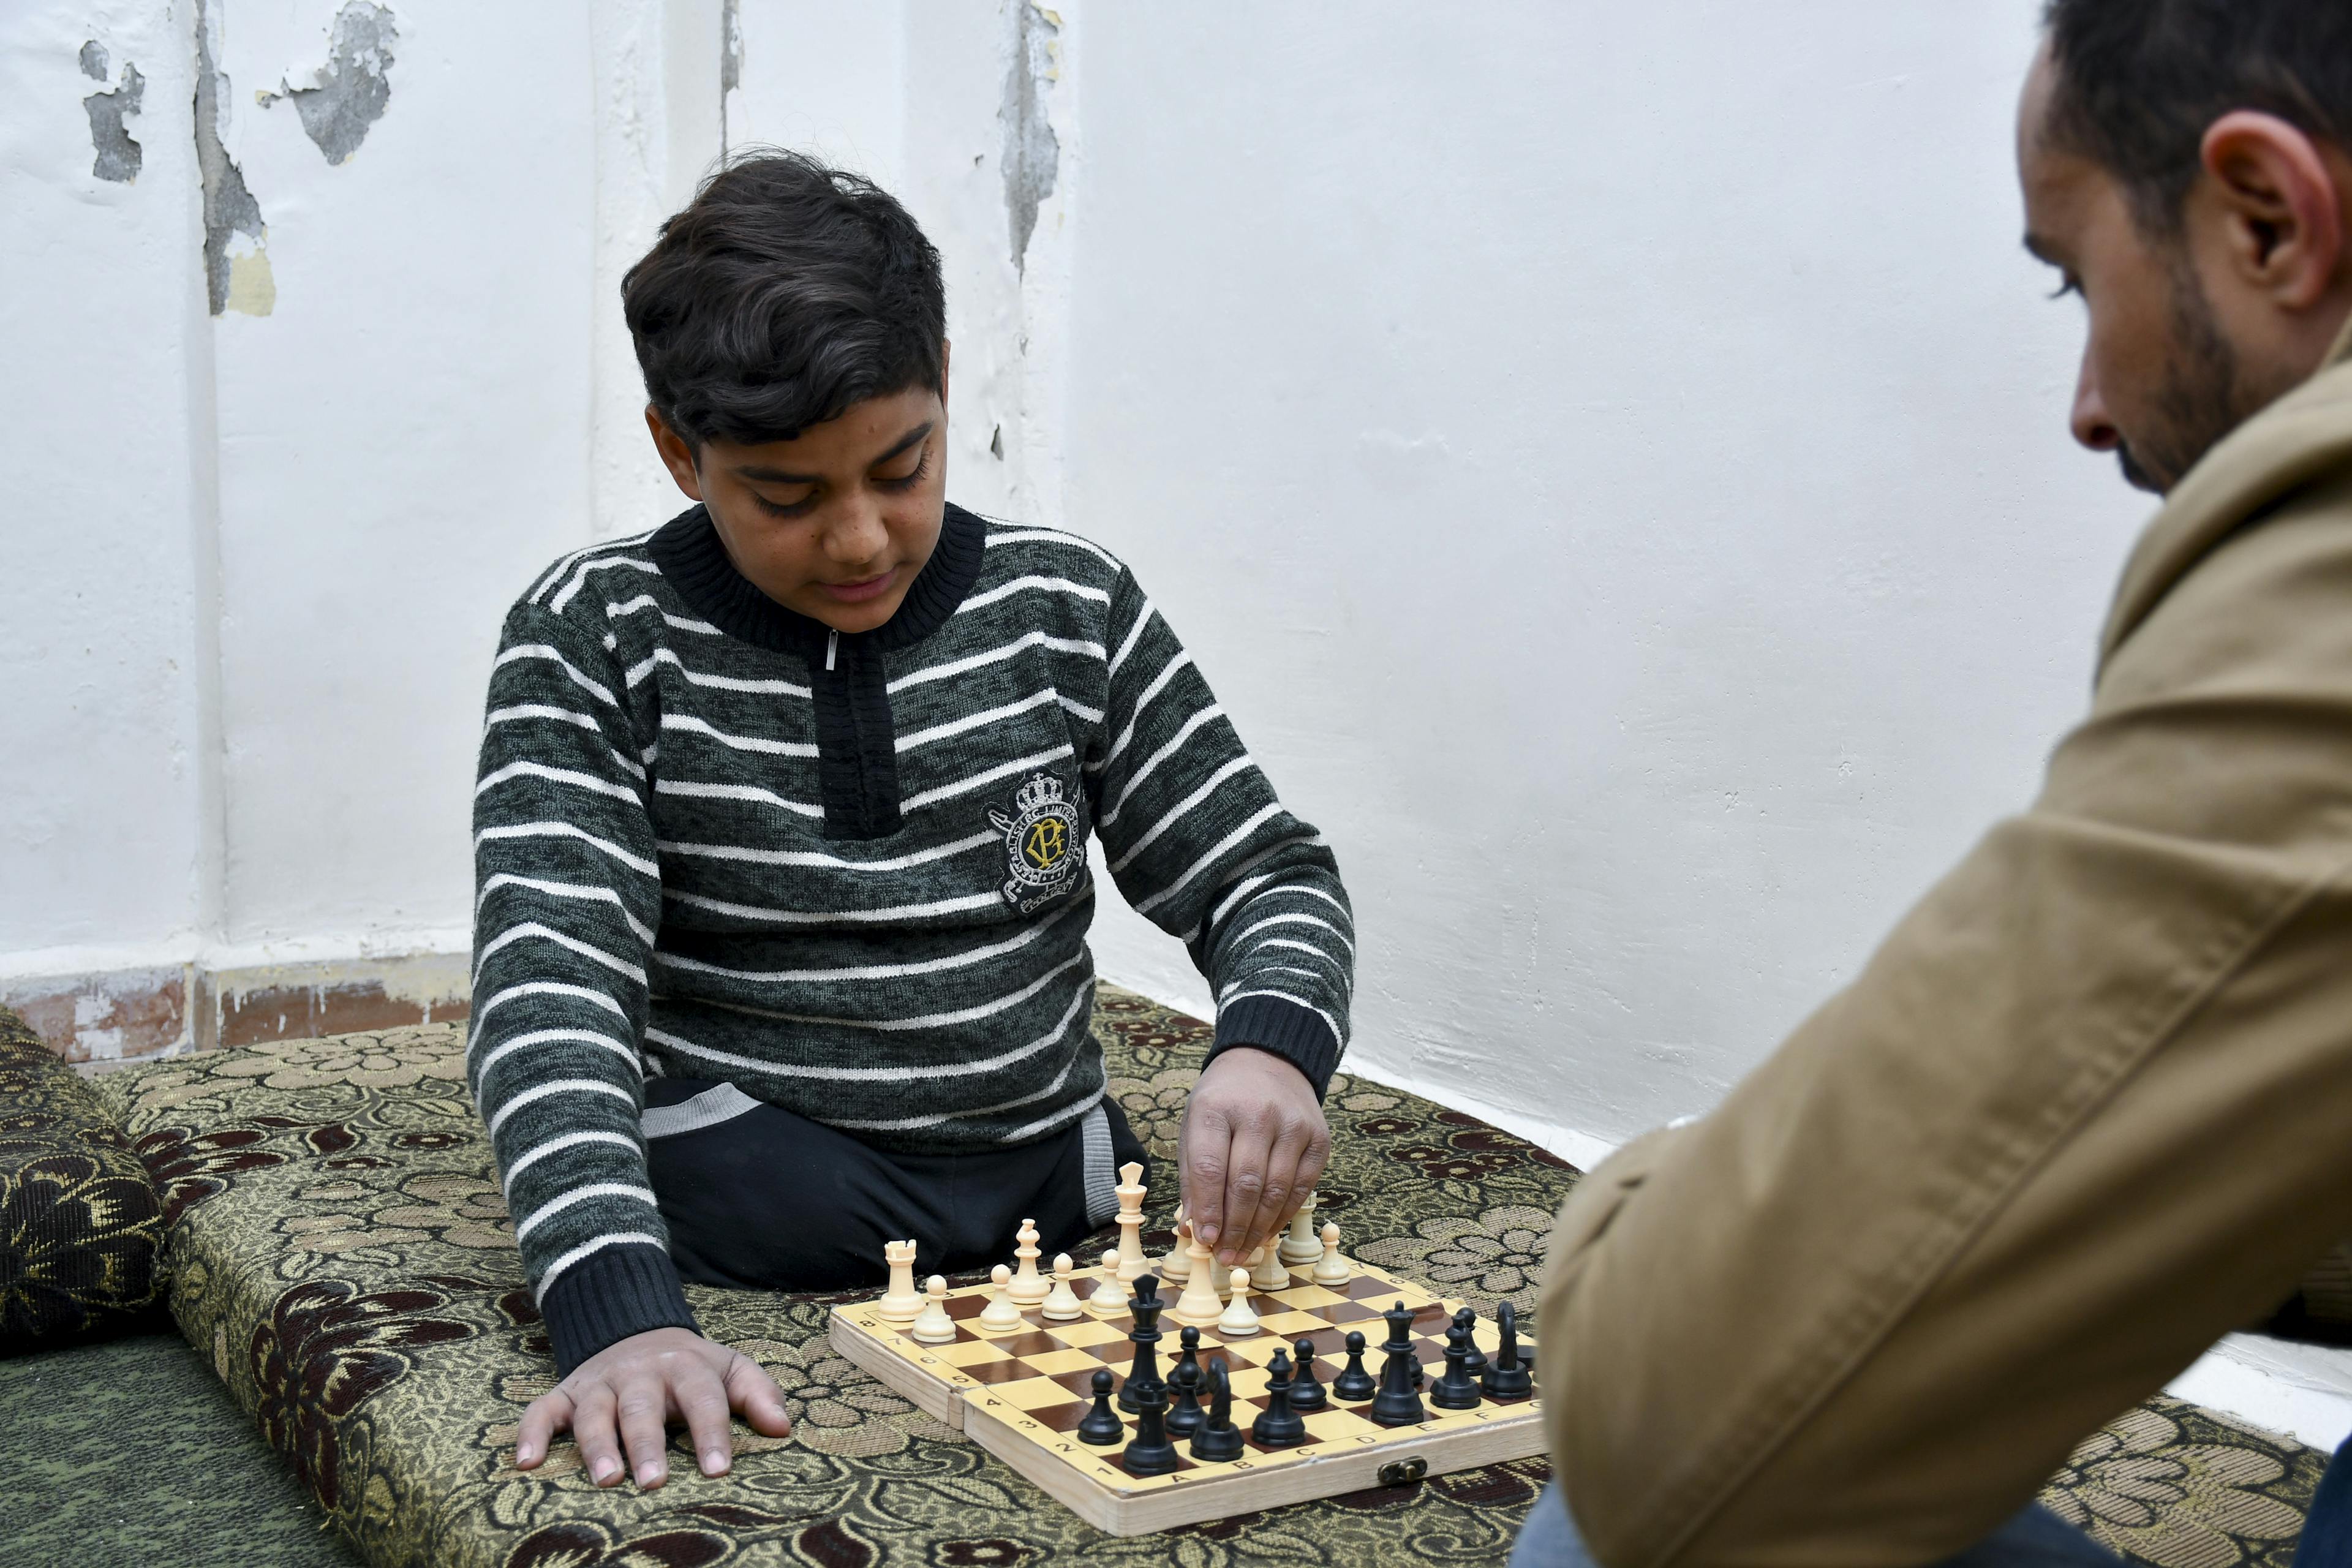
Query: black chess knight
<point x="1219" y="1441"/>
<point x="1506" y="1378"/>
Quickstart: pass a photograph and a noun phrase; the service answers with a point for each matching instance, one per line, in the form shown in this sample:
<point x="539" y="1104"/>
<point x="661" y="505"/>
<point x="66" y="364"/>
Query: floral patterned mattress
<point x="341" y="1253"/>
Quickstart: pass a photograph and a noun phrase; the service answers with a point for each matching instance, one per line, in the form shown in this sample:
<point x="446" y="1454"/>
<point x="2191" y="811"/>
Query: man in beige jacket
<point x="2090" y="1107"/>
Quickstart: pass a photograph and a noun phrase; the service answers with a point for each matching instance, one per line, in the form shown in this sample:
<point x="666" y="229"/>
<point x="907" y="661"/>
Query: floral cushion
<point x="344" y="1260"/>
<point x="80" y="1224"/>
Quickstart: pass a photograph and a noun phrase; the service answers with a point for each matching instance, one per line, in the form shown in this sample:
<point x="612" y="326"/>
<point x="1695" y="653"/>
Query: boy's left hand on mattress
<point x="627" y="1395"/>
<point x="1253" y="1146"/>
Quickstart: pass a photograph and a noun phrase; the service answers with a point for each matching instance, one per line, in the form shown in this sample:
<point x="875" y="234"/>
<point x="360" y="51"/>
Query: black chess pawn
<point x="1190" y="1357"/>
<point x="1102" y="1426"/>
<point x="1354" y="1383"/>
<point x="1218" y="1441"/>
<point x="1277" y="1427"/>
<point x="1305" y="1391"/>
<point x="1456" y="1390"/>
<point x="1476" y="1365"/>
<point x="1149" y="1452"/>
<point x="1396" y="1404"/>
<point x="1506" y="1377"/>
<point x="1184" y="1415"/>
<point x="1144" y="1308"/>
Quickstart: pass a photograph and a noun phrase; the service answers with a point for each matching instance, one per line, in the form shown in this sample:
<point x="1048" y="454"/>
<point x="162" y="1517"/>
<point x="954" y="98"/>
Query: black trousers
<point x="758" y="1199"/>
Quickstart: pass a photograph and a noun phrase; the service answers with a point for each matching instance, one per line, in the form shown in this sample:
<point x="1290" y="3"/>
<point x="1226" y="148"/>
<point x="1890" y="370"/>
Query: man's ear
<point x="676" y="454"/>
<point x="2280" y="200"/>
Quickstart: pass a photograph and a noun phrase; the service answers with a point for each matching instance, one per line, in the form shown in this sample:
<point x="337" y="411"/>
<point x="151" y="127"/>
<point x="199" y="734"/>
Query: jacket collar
<point x="690" y="555"/>
<point x="2302" y="437"/>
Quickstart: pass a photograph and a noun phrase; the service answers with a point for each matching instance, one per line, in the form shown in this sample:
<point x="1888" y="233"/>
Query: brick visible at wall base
<point x="133" y="1015"/>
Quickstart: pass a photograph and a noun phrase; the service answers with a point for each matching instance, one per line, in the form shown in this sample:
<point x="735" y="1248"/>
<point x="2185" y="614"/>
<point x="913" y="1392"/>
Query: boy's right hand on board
<point x="626" y="1395"/>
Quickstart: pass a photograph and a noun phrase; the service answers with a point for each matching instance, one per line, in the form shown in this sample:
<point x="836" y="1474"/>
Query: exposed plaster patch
<point x="352" y="88"/>
<point x="243" y="280"/>
<point x="1032" y="154"/>
<point x="119" y="156"/>
<point x="731" y="60"/>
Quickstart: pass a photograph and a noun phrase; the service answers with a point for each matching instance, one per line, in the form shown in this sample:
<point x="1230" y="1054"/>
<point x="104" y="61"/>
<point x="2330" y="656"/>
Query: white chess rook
<point x="901" y="1303"/>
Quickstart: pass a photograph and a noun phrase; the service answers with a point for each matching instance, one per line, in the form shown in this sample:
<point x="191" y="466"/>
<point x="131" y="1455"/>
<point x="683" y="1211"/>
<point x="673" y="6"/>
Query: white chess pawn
<point x="901" y="1303"/>
<point x="1200" y="1304"/>
<point x="1109" y="1299"/>
<point x="1331" y="1269"/>
<point x="1029" y="1287"/>
<point x="1062" y="1303"/>
<point x="1238" y="1322"/>
<point x="934" y="1326"/>
<point x="1001" y="1312"/>
<point x="1178" y="1265"/>
<point x="1298" y="1245"/>
<point x="1266" y="1273"/>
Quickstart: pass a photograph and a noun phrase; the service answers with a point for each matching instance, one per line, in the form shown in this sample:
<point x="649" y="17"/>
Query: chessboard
<point x="1020" y="1394"/>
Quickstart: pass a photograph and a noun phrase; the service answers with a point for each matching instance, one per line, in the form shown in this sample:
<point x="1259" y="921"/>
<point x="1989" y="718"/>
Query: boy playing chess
<point x="780" y="847"/>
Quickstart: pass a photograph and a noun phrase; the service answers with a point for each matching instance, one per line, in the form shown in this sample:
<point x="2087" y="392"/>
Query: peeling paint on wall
<point x="1032" y="154"/>
<point x="236" y="275"/>
<point x="352" y="89"/>
<point x="119" y="156"/>
<point x="730" y="61"/>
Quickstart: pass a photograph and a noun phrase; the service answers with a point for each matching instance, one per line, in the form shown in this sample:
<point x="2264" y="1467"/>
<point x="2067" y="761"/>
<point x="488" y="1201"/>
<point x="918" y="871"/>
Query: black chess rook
<point x="1149" y="1452"/>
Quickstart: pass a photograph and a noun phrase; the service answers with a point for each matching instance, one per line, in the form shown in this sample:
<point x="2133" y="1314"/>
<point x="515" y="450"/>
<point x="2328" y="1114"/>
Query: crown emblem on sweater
<point x="1041" y="842"/>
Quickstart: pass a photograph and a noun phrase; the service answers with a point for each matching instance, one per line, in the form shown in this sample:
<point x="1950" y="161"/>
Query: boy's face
<point x="836" y="523"/>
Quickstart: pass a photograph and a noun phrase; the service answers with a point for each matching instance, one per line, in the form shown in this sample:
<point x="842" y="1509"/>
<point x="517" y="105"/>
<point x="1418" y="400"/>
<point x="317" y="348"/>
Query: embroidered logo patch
<point x="1042" y="847"/>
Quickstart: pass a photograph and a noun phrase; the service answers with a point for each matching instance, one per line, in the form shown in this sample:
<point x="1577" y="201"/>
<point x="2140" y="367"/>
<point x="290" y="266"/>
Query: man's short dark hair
<point x="786" y="291"/>
<point x="2140" y="81"/>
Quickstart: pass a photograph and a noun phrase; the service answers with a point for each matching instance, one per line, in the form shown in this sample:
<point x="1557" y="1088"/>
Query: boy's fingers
<point x="1244" y="1189"/>
<point x="643" y="1405"/>
<point x="750" y="1389"/>
<point x="701" y="1401"/>
<point x="548" y="1415"/>
<point x="592" y="1428"/>
<point x="1282" y="1184"/>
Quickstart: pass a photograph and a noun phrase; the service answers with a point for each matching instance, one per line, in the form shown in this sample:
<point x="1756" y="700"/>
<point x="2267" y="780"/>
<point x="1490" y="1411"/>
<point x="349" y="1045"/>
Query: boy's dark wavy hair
<point x="786" y="291"/>
<point x="2139" y="81"/>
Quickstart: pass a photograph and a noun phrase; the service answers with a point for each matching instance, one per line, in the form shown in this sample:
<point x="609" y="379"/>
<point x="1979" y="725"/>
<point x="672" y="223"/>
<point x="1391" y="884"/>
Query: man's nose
<point x="2091" y="425"/>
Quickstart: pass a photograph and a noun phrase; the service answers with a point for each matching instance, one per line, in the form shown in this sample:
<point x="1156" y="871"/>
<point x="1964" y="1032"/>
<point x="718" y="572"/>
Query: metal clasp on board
<point x="1402" y="1472"/>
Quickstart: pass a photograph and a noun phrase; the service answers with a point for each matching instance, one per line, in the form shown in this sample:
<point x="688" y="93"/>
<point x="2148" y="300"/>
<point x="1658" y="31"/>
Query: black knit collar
<point x="689" y="553"/>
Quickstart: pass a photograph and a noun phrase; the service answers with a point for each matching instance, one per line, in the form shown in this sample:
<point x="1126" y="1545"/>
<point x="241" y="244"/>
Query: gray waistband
<point x="720" y="1102"/>
<point x="1102" y="1177"/>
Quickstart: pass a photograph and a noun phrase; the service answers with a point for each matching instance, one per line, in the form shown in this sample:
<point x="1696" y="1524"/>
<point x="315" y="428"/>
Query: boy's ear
<point x="676" y="454"/>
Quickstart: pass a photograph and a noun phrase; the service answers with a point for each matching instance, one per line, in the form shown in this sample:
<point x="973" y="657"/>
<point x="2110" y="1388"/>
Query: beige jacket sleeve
<point x="2088" y="1109"/>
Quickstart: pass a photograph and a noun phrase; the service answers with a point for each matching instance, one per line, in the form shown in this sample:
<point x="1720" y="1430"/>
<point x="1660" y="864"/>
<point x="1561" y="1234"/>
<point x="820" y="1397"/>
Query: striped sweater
<point x="846" y="873"/>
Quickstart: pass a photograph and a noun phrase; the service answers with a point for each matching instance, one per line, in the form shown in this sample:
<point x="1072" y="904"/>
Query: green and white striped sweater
<point x="846" y="874"/>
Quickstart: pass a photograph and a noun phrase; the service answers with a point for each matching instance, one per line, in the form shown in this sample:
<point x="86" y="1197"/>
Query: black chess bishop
<point x="1185" y="1399"/>
<point x="1456" y="1390"/>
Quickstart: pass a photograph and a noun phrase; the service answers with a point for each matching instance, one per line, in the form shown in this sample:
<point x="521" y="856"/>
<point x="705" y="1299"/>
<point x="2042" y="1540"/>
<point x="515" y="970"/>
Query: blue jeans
<point x="2035" y="1539"/>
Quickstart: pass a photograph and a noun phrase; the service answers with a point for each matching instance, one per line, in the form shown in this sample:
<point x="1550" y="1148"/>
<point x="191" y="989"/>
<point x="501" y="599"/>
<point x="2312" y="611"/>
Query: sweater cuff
<point x="1297" y="1034"/>
<point x="609" y="1295"/>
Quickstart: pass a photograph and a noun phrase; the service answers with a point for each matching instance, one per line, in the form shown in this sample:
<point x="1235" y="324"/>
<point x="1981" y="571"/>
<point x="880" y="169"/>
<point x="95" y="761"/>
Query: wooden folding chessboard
<point x="1020" y="1393"/>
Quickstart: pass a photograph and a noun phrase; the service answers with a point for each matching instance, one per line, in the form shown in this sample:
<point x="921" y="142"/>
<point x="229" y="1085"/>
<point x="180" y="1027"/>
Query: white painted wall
<point x="1612" y="462"/>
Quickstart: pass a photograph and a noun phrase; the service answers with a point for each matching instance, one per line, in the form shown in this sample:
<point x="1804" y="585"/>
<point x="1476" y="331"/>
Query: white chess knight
<point x="1029" y="1287"/>
<point x="1299" y="1246"/>
<point x="901" y="1303"/>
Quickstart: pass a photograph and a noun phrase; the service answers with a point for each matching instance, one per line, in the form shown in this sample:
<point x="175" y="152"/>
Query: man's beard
<point x="2202" y="398"/>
